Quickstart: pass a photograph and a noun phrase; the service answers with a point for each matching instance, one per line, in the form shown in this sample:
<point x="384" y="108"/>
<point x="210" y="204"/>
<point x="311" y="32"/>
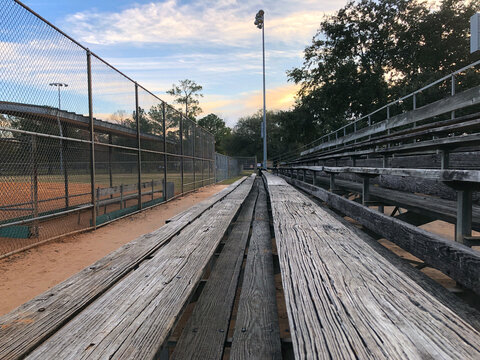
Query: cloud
<point x="277" y="98"/>
<point x="216" y="22"/>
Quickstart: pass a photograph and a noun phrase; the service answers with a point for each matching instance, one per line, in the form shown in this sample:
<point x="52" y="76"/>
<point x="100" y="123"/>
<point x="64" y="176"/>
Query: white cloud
<point x="216" y="22"/>
<point x="212" y="42"/>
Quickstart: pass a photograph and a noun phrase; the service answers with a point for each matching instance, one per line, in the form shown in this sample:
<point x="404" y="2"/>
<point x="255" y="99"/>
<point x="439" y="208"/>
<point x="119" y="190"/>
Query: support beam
<point x="463" y="226"/>
<point x="332" y="183"/>
<point x="445" y="159"/>
<point x="365" y="190"/>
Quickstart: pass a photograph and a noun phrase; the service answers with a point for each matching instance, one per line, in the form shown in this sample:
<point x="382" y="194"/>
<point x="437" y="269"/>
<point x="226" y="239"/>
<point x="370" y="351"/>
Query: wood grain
<point x="133" y="318"/>
<point x="205" y="333"/>
<point x="257" y="334"/>
<point x="27" y="326"/>
<point x="346" y="301"/>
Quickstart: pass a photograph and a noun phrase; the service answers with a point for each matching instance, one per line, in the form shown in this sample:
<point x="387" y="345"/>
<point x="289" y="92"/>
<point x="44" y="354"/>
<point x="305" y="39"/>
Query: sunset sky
<point x="212" y="42"/>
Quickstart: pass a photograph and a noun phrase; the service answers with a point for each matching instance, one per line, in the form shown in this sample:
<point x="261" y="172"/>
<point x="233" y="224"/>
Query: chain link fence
<point x="82" y="144"/>
<point x="227" y="167"/>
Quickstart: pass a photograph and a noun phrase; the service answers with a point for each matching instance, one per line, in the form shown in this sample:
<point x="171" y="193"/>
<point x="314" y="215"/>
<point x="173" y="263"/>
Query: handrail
<point x="354" y="123"/>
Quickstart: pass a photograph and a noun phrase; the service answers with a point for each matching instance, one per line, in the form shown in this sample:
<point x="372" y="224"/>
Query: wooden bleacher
<point x="346" y="295"/>
<point x="348" y="298"/>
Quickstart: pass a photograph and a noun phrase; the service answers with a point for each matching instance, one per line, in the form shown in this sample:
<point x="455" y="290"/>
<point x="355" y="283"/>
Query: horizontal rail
<point x="455" y="102"/>
<point x="432" y="174"/>
<point x="335" y="133"/>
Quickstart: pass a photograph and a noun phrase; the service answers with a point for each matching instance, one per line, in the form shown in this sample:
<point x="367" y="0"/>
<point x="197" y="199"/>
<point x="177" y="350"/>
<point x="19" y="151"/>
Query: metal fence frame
<point x="187" y="151"/>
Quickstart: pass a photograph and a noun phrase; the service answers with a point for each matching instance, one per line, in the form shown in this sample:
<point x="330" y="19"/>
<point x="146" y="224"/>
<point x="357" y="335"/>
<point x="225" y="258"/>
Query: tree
<point x="372" y="52"/>
<point x="287" y="130"/>
<point x="187" y="93"/>
<point x="217" y="127"/>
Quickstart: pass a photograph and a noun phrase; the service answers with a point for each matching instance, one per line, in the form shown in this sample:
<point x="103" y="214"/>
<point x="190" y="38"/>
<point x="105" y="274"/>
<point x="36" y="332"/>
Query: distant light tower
<point x="260" y="23"/>
<point x="59" y="86"/>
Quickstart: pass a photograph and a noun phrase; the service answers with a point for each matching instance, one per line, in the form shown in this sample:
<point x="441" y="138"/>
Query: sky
<point x="215" y="43"/>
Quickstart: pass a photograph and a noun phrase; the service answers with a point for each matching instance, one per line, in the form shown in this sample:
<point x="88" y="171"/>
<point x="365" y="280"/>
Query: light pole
<point x="260" y="23"/>
<point x="59" y="86"/>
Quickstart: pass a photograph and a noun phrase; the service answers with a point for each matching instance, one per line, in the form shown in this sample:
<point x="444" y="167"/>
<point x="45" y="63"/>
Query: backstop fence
<point x="81" y="143"/>
<point x="227" y="167"/>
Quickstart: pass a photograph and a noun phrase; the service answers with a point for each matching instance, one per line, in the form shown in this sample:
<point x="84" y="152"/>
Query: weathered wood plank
<point x="445" y="210"/>
<point x="433" y="174"/>
<point x="257" y="334"/>
<point x="456" y="260"/>
<point x="205" y="333"/>
<point x="201" y="207"/>
<point x="133" y="318"/>
<point x="30" y="324"/>
<point x="346" y="301"/>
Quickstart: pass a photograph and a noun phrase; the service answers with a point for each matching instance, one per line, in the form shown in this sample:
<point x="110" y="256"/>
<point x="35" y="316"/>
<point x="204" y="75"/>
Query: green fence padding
<point x="15" y="232"/>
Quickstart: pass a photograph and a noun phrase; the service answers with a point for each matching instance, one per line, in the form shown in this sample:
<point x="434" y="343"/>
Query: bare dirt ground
<point x="28" y="274"/>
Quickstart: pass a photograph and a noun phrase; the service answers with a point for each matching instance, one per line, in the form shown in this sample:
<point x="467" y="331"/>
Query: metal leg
<point x="464" y="215"/>
<point x="332" y="182"/>
<point x="445" y="159"/>
<point x="365" y="190"/>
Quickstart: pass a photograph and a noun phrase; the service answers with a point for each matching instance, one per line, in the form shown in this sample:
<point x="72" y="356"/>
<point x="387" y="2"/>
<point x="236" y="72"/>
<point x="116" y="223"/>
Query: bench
<point x="32" y="324"/>
<point x="256" y="331"/>
<point x="441" y="209"/>
<point x="348" y="297"/>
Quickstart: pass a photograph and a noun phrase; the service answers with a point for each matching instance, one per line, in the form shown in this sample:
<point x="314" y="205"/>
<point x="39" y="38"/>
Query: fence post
<point x="139" y="151"/>
<point x="194" y="154"/>
<point x="210" y="161"/>
<point x="35" y="184"/>
<point x="64" y="145"/>
<point x="110" y="150"/>
<point x="203" y="155"/>
<point x="164" y="153"/>
<point x="181" y="151"/>
<point x="92" y="137"/>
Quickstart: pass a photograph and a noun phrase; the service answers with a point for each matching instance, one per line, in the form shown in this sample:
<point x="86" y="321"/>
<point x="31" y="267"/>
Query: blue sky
<point x="214" y="43"/>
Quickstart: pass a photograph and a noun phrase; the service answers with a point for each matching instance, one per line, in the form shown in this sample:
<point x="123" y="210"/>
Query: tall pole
<point x="264" y="106"/>
<point x="260" y="23"/>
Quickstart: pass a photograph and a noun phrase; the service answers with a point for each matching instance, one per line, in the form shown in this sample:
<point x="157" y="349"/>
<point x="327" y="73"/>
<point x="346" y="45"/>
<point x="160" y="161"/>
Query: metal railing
<point x="95" y="149"/>
<point x="385" y="112"/>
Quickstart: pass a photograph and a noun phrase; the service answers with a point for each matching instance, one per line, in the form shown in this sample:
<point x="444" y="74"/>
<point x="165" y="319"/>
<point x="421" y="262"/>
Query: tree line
<point x="363" y="56"/>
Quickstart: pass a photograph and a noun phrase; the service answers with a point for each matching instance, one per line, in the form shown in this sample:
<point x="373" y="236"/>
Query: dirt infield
<point x="32" y="272"/>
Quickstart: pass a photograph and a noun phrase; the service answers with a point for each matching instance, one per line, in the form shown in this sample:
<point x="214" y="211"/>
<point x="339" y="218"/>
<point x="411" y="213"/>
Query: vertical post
<point x="139" y="151"/>
<point x="388" y="117"/>
<point x="264" y="105"/>
<point x="110" y="150"/>
<point x="64" y="145"/>
<point x="194" y="155"/>
<point x="202" y="133"/>
<point x="304" y="176"/>
<point x="314" y="181"/>
<point x="181" y="151"/>
<point x="92" y="137"/>
<point x="209" y="162"/>
<point x="464" y="215"/>
<point x="381" y="208"/>
<point x="164" y="152"/>
<point x="332" y="182"/>
<point x="453" y="93"/>
<point x="414" y="108"/>
<point x="445" y="159"/>
<point x="34" y="184"/>
<point x="153" y="189"/>
<point x="365" y="189"/>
